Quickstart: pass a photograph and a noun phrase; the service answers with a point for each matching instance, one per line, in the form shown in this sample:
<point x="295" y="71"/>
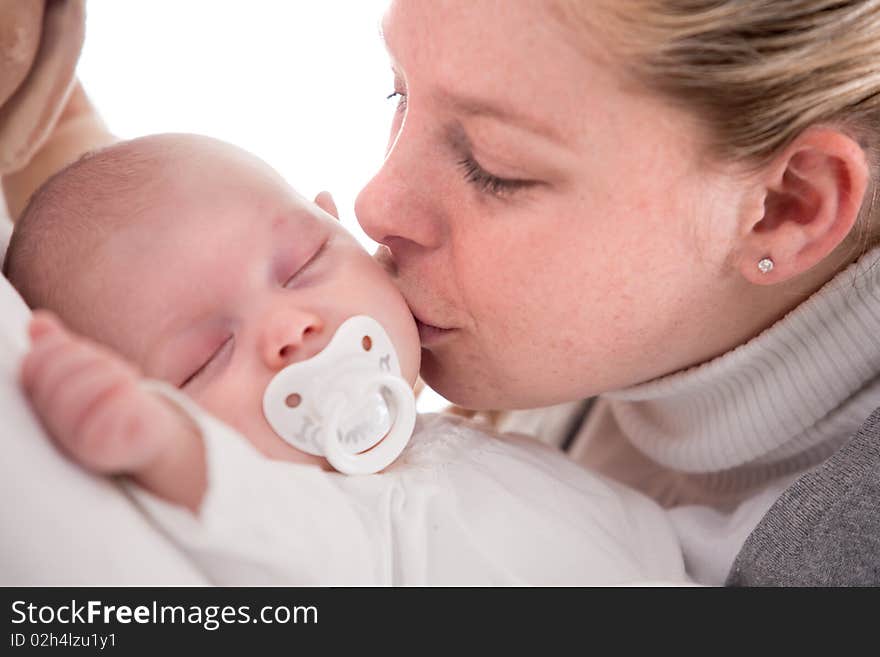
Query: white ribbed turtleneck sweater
<point x="718" y="443"/>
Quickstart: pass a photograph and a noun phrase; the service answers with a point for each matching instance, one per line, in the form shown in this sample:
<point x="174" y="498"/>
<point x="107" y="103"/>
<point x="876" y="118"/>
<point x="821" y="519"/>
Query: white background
<point x="300" y="83"/>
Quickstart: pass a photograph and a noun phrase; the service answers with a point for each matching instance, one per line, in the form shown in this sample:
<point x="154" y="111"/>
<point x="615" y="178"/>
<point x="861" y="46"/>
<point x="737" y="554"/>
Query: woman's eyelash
<point x="401" y="99"/>
<point x="486" y="182"/>
<point x="473" y="172"/>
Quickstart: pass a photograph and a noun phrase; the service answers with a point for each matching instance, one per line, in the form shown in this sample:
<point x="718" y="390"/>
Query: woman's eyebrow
<point x="479" y="107"/>
<point x="473" y="106"/>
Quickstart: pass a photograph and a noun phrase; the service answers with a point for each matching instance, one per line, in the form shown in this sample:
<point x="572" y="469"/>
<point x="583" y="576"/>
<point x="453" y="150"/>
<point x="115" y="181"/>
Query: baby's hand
<point x="90" y="402"/>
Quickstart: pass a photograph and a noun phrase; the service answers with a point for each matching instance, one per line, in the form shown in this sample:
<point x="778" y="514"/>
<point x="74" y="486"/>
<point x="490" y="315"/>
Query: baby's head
<point x="198" y="263"/>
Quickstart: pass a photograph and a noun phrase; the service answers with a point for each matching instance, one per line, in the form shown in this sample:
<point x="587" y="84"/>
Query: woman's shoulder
<point x="825" y="529"/>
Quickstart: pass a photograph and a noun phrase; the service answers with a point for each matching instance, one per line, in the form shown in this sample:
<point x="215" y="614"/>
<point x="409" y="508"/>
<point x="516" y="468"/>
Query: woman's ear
<point x="325" y="201"/>
<point x="812" y="195"/>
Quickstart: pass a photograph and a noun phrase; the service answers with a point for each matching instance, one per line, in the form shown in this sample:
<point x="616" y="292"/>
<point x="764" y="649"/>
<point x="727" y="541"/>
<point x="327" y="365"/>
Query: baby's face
<point x="229" y="277"/>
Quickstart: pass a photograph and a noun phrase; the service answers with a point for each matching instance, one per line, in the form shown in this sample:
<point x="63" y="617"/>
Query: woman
<point x="582" y="197"/>
<point x="665" y="203"/>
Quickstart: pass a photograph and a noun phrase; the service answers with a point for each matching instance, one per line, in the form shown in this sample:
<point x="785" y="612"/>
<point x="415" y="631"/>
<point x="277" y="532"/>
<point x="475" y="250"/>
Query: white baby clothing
<point x="459" y="507"/>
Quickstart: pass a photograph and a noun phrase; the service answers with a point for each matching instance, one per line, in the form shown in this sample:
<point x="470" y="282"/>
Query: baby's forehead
<point x="212" y="224"/>
<point x="188" y="199"/>
<point x="186" y="183"/>
<point x="162" y="164"/>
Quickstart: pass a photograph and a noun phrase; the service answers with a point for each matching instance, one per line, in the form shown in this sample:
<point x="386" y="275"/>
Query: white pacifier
<point x="349" y="403"/>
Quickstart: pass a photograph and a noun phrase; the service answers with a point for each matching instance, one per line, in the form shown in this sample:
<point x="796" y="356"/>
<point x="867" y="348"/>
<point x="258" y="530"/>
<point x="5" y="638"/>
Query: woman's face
<point x="548" y="223"/>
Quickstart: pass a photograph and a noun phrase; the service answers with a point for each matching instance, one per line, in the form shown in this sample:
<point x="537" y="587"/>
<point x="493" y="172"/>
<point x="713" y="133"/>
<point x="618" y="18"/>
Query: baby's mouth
<point x="345" y="400"/>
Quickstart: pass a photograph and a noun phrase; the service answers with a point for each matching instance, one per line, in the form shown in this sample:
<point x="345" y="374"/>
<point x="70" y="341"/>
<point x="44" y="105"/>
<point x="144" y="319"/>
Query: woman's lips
<point x="431" y="335"/>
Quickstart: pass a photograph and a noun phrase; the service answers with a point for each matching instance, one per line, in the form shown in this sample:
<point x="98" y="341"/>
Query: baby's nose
<point x="287" y="336"/>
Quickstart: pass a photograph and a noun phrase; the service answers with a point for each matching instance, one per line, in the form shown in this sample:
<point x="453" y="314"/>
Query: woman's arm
<point x="79" y="130"/>
<point x="824" y="530"/>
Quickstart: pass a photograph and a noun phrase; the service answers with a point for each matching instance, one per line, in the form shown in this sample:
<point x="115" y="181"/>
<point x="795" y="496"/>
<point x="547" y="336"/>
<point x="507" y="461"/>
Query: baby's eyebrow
<point x="182" y="326"/>
<point x="278" y="222"/>
<point x="159" y="356"/>
<point x="296" y="215"/>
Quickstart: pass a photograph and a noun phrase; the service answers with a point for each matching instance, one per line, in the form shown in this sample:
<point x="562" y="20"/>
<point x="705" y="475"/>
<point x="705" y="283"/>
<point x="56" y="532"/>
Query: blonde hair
<point x="755" y="72"/>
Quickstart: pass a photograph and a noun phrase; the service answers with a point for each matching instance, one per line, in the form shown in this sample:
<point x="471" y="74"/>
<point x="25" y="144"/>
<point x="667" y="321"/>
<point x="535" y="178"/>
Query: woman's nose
<point x="289" y="336"/>
<point x="400" y="206"/>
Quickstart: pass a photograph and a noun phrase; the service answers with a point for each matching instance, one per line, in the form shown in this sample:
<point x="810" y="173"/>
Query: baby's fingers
<point x="52" y="362"/>
<point x="84" y="397"/>
<point x="48" y="339"/>
<point x="43" y="323"/>
<point x="43" y="355"/>
<point x="108" y="414"/>
<point x="76" y="399"/>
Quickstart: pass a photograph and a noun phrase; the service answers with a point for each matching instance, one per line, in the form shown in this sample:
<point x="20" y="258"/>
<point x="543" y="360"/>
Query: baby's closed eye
<point x="208" y="359"/>
<point x="299" y="277"/>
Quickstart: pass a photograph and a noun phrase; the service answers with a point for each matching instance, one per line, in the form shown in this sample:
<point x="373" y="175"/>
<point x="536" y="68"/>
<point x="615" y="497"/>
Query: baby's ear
<point x="324" y="201"/>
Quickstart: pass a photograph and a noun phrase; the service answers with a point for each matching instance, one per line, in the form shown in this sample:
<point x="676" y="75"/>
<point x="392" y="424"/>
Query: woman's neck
<point x="777" y="404"/>
<point x="753" y="309"/>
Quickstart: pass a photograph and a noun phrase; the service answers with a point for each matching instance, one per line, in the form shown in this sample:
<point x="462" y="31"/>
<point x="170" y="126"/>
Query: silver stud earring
<point x="765" y="265"/>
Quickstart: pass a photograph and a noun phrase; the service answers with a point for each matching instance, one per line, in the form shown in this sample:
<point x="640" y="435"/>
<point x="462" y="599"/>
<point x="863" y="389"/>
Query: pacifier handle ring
<point x="383" y="454"/>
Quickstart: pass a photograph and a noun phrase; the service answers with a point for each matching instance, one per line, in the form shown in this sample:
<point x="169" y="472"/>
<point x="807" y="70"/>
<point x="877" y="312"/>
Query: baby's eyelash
<point x="311" y="261"/>
<point x="488" y="183"/>
<point x="227" y="343"/>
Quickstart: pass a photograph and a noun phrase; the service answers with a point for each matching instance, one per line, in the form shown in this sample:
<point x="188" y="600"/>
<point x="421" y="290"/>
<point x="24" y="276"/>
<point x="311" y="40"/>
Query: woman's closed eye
<point x="489" y="183"/>
<point x="209" y="365"/>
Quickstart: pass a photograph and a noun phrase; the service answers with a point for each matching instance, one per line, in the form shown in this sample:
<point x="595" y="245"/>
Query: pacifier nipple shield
<point x="349" y="403"/>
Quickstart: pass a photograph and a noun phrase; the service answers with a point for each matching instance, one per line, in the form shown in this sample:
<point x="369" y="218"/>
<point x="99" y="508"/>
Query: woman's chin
<point x="460" y="382"/>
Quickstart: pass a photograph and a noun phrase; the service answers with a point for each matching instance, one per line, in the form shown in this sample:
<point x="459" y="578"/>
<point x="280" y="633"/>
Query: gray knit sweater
<point x="825" y="529"/>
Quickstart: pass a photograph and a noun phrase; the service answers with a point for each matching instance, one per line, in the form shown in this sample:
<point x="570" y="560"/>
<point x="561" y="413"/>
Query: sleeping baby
<point x="206" y="320"/>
